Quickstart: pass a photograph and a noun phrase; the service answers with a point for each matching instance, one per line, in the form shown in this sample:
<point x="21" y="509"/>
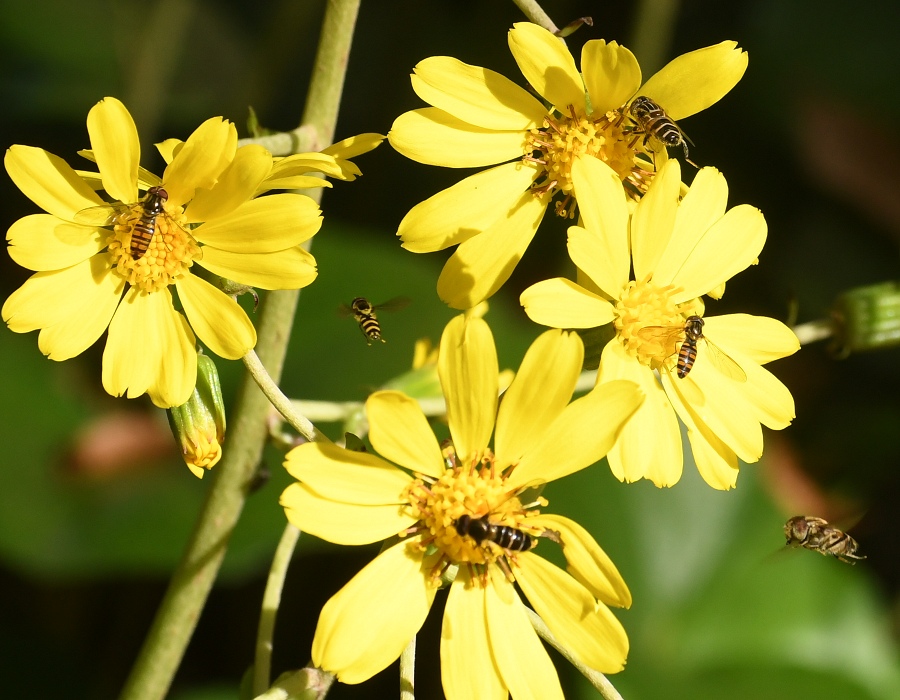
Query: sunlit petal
<point x="200" y="160"/>
<point x="611" y="74"/>
<point x="236" y="185"/>
<point x="49" y="181"/>
<point x="399" y="430"/>
<point x="216" y="318"/>
<point x="116" y="148"/>
<point x="654" y="219"/>
<point x="547" y="65"/>
<point x="42" y="242"/>
<point x="564" y="304"/>
<point x="293" y="268"/>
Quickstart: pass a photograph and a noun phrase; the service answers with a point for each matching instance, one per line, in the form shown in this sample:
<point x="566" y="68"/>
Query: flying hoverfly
<point x="504" y="536"/>
<point x="142" y="232"/>
<point x="364" y="313"/>
<point x="817" y="535"/>
<point x="653" y="121"/>
<point x="687" y="353"/>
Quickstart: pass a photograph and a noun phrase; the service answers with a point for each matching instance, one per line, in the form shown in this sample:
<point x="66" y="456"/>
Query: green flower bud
<point x="867" y="318"/>
<point x="199" y="424"/>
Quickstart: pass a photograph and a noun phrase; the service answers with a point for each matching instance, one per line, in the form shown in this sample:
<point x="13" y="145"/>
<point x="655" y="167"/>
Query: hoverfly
<point x="152" y="206"/>
<point x="653" y="121"/>
<point x="504" y="536"/>
<point x="364" y="313"/>
<point x="687" y="353"/>
<point x="817" y="535"/>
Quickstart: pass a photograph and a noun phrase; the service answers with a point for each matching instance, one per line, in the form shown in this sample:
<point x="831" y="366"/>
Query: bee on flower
<point x="481" y="118"/>
<point x="679" y="249"/>
<point x="470" y="513"/>
<point x="119" y="268"/>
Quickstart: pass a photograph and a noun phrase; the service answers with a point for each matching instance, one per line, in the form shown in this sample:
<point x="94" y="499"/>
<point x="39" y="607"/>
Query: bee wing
<point x="667" y="337"/>
<point x="101" y="215"/>
<point x="394" y="304"/>
<point x="344" y="310"/>
<point x="724" y="362"/>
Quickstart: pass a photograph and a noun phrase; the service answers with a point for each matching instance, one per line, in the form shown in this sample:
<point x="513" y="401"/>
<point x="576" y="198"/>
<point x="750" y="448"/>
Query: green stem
<point x="262" y="665"/>
<point x="814" y="331"/>
<point x="535" y="13"/>
<point x="408" y="671"/>
<point x="192" y="581"/>
<point x="597" y="679"/>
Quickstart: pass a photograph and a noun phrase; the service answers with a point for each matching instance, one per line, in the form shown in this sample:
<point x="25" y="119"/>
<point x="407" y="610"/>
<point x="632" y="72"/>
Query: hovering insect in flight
<point x="152" y="206"/>
<point x="653" y="121"/>
<point x="504" y="536"/>
<point x="364" y="313"/>
<point x="687" y="353"/>
<point x="817" y="535"/>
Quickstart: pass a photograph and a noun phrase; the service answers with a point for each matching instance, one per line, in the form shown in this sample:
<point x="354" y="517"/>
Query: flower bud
<point x="199" y="424"/>
<point x="867" y="318"/>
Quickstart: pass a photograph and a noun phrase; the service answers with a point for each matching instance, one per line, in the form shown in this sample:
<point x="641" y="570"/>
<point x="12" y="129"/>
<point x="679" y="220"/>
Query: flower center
<point x="150" y="253"/>
<point x="471" y="516"/>
<point x="649" y="324"/>
<point x="610" y="137"/>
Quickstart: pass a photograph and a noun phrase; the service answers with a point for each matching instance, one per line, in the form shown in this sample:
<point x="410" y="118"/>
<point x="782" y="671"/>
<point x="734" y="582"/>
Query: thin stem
<point x="408" y="671"/>
<point x="597" y="679"/>
<point x="814" y="331"/>
<point x="276" y="397"/>
<point x="535" y="13"/>
<point x="192" y="580"/>
<point x="262" y="665"/>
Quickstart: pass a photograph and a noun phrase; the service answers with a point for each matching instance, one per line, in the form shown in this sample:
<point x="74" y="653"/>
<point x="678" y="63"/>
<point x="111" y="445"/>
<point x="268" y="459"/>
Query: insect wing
<point x="723" y="362"/>
<point x="395" y="304"/>
<point x="669" y="338"/>
<point x="102" y="215"/>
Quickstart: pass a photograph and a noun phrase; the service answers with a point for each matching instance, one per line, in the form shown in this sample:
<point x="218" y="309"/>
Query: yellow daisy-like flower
<point x="679" y="250"/>
<point x="480" y="118"/>
<point x="90" y="278"/>
<point x="467" y="511"/>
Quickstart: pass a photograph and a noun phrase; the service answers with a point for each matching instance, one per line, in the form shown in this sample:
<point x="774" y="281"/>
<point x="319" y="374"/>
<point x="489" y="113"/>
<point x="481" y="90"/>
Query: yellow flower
<point x="481" y="118"/>
<point x="441" y="499"/>
<point x="679" y="250"/>
<point x="90" y="278"/>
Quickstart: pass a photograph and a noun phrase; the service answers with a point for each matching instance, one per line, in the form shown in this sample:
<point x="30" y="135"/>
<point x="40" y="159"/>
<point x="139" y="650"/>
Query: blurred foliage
<point x="88" y="535"/>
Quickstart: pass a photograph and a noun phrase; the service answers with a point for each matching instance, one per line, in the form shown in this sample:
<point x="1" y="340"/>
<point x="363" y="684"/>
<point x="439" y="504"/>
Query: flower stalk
<point x="192" y="581"/>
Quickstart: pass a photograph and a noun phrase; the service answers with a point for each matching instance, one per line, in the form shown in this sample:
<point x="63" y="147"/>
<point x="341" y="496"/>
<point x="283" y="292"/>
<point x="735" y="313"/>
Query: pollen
<point x="169" y="255"/>
<point x="648" y="323"/>
<point x="476" y="490"/>
<point x="563" y="138"/>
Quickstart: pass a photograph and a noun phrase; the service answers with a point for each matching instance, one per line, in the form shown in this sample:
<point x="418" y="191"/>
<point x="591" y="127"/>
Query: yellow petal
<point x="467" y="664"/>
<point x="654" y="219"/>
<point x="601" y="249"/>
<point x="722" y="409"/>
<point x="116" y="148"/>
<point x="42" y="242"/>
<point x="433" y="137"/>
<point x="168" y="148"/>
<point x="303" y="163"/>
<point x="635" y="457"/>
<point x="76" y="332"/>
<point x="731" y="245"/>
<point x="236" y="185"/>
<point x="399" y="431"/>
<point x="563" y="304"/>
<point x="611" y="74"/>
<point x="340" y="522"/>
<point x="587" y="562"/>
<point x="355" y="145"/>
<point x="368" y="623"/>
<point x="547" y="66"/>
<point x="525" y="668"/>
<point x="694" y="81"/>
<point x="538" y="394"/>
<point x="150" y="346"/>
<point x="717" y="464"/>
<point x="481" y="265"/>
<point x="592" y="633"/>
<point x="759" y="338"/>
<point x="293" y="268"/>
<point x="467" y="367"/>
<point x="476" y="95"/>
<point x="355" y="478"/>
<point x="48" y="298"/>
<point x="49" y="181"/>
<point x="264" y="225"/>
<point x="200" y="160"/>
<point x="470" y="206"/>
<point x="701" y="208"/>
<point x="296" y="182"/>
<point x="216" y="318"/>
<point x="582" y="434"/>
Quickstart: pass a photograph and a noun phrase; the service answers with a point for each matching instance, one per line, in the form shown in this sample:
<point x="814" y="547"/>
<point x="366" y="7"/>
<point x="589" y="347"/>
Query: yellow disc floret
<point x="169" y="255"/>
<point x="648" y="323"/>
